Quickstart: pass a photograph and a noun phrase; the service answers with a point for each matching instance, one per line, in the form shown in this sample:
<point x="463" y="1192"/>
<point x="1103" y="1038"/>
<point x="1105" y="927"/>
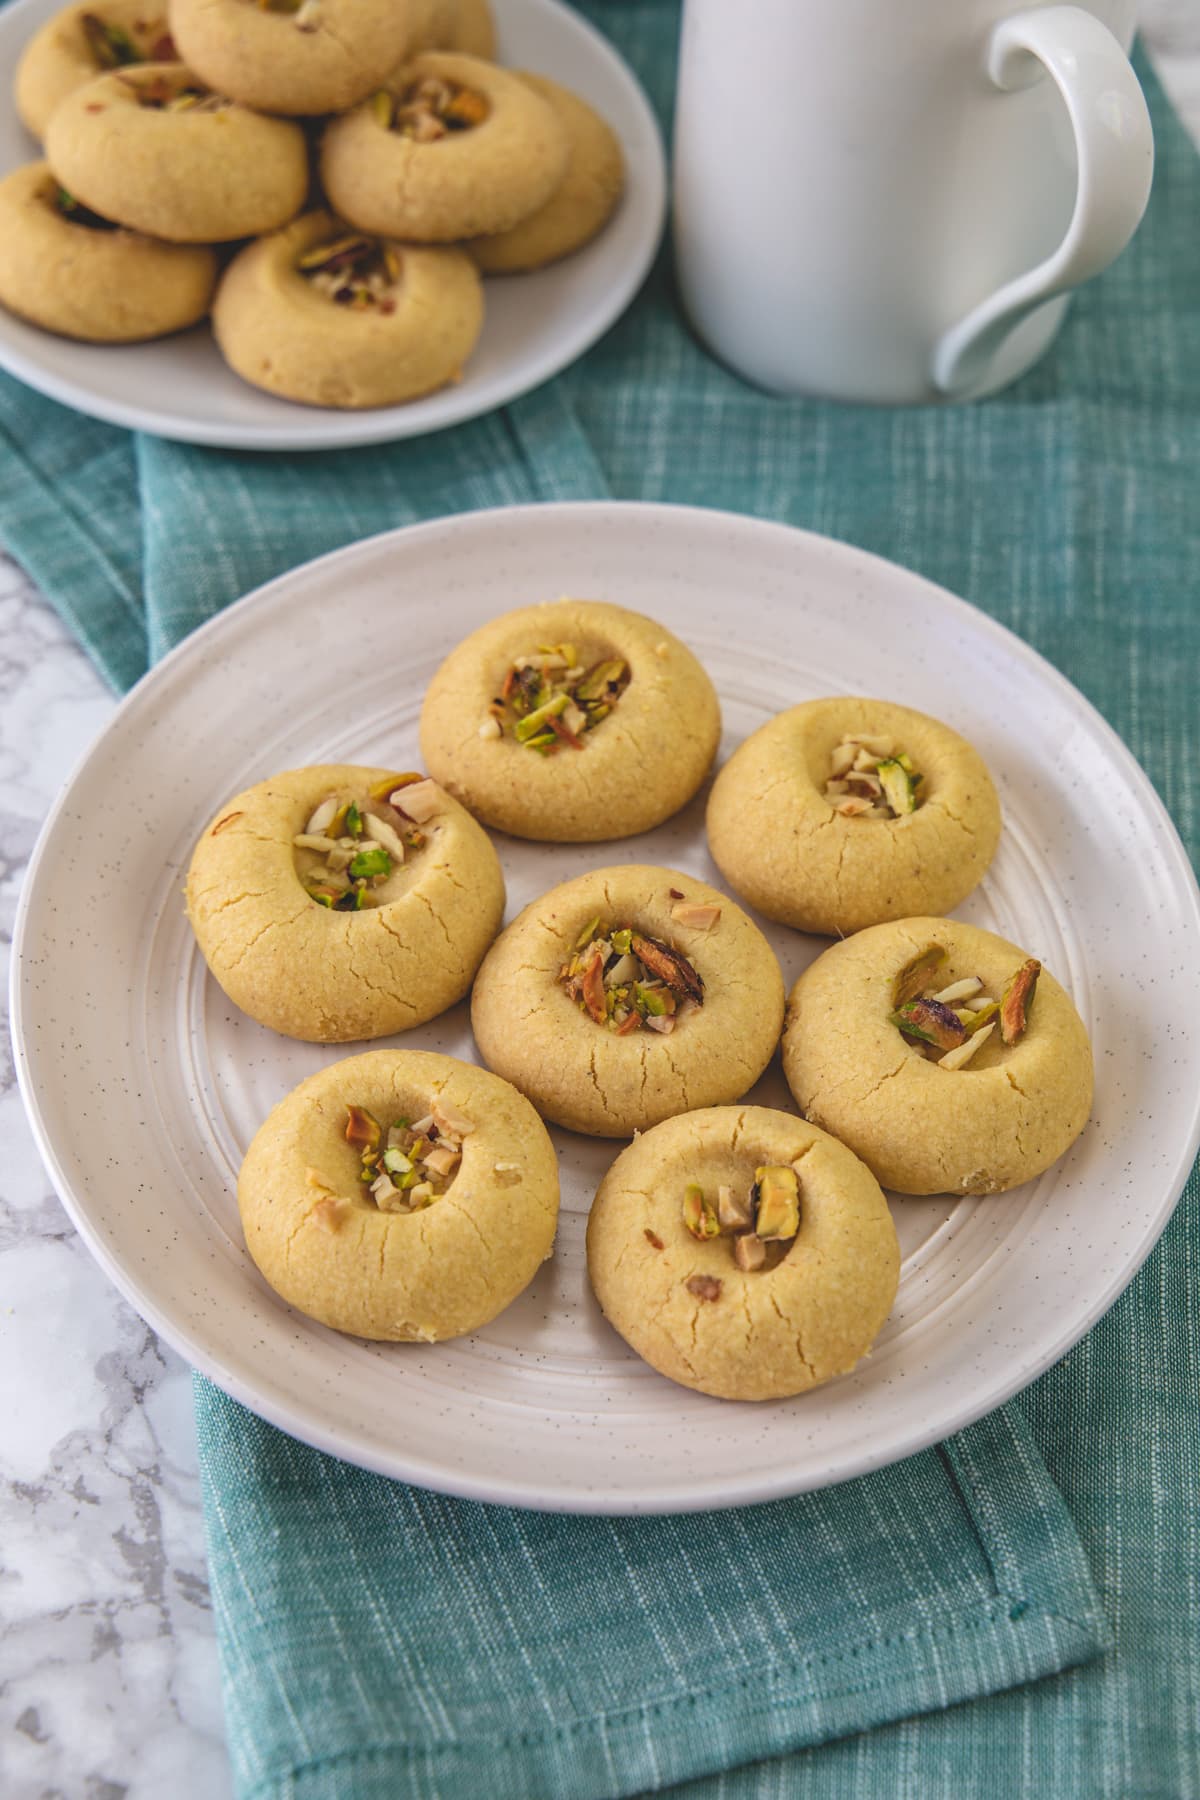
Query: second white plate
<point x="145" y="1086"/>
<point x="534" y="325"/>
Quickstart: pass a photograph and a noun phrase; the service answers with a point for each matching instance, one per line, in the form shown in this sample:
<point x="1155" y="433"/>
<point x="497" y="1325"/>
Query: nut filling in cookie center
<point x="430" y="108"/>
<point x="762" y="1222"/>
<point x="623" y="979"/>
<point x="112" y="47"/>
<point x="352" y="849"/>
<point x="951" y="1025"/>
<point x="165" y="93"/>
<point x="869" y="778"/>
<point x="412" y="1162"/>
<point x="360" y="272"/>
<point x="551" y="697"/>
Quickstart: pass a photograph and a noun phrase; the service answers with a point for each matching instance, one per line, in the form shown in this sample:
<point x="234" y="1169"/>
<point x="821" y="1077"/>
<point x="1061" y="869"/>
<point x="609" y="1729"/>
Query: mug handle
<point x="1114" y="146"/>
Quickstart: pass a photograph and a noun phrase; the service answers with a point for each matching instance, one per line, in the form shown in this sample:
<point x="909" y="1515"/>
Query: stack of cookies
<point x="328" y="178"/>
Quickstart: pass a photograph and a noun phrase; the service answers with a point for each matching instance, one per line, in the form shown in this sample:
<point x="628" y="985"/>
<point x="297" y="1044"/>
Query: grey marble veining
<point x="108" y="1668"/>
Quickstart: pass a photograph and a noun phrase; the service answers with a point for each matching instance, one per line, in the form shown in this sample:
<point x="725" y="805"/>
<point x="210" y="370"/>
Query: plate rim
<point x="324" y="428"/>
<point x="502" y="1490"/>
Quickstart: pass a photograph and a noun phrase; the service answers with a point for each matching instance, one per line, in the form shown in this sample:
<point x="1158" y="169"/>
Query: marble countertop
<point x="108" y="1667"/>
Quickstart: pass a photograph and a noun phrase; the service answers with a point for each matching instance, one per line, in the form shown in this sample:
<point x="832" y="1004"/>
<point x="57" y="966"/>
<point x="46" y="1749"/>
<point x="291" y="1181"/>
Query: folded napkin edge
<point x="1043" y="1641"/>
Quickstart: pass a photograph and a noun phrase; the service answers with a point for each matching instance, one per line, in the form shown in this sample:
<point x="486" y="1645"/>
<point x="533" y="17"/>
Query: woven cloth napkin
<point x="377" y="1640"/>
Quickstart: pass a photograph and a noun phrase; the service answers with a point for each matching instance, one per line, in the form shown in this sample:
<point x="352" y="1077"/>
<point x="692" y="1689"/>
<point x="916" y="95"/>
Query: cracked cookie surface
<point x="639" y="765"/>
<point x="781" y="843"/>
<point x="591" y="1076"/>
<point x="318" y="1237"/>
<point x="689" y="1311"/>
<point x="1003" y="1118"/>
<point x="311" y="970"/>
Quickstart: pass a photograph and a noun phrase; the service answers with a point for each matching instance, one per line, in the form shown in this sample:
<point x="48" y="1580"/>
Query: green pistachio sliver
<point x="369" y="863"/>
<point x="353" y="825"/>
<point x="622" y="941"/>
<point x="383" y="108"/>
<point x="700" y="1213"/>
<point x="930" y="1022"/>
<point x="598" y="680"/>
<point x="588" y="933"/>
<point x="396" y="1163"/>
<point x="915" y="976"/>
<point x="983" y="1017"/>
<point x="110" y="46"/>
<point x="651" y="1001"/>
<point x="899" y="788"/>
<point x="776" y="1203"/>
<point x="533" y="722"/>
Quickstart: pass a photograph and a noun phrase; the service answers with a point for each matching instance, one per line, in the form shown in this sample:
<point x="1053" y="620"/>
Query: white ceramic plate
<point x="180" y="387"/>
<point x="145" y="1086"/>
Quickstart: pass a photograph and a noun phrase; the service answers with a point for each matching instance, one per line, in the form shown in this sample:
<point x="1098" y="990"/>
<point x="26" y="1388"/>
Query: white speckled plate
<point x="145" y="1086"/>
<point x="180" y="387"/>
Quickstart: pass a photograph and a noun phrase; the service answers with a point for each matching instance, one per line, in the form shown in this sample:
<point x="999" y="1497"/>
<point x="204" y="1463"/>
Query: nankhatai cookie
<point x="294" y="56"/>
<point x="472" y="29"/>
<point x="323" y="314"/>
<point x="571" y="721"/>
<point x="845" y="812"/>
<point x="449" y="147"/>
<point x="947" y="1058"/>
<point x="743" y="1252"/>
<point x="400" y="1195"/>
<point x="626" y="995"/>
<point x="339" y="902"/>
<point x="581" y="204"/>
<point x="68" y="270"/>
<point x="466" y="26"/>
<point x="153" y="149"/>
<point x="82" y="42"/>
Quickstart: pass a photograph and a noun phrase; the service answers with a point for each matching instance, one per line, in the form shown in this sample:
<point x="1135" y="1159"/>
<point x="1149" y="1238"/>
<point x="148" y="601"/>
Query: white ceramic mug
<point x="889" y="200"/>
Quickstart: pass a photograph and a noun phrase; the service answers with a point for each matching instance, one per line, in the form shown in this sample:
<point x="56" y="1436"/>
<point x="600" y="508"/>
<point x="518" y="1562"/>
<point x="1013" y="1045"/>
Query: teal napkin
<point x="381" y="1641"/>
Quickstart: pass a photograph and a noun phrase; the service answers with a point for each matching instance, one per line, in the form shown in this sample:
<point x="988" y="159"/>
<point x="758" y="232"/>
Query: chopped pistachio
<point x="899" y="788"/>
<point x="395" y="1162"/>
<point x="700" y="1213"/>
<point x="915" y="976"/>
<point x="869" y="778"/>
<point x="372" y="864"/>
<point x="548" y="700"/>
<point x="601" y="680"/>
<point x="111" y="47"/>
<point x="930" y="1022"/>
<point x="1017" y="999"/>
<point x="776" y="1203"/>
